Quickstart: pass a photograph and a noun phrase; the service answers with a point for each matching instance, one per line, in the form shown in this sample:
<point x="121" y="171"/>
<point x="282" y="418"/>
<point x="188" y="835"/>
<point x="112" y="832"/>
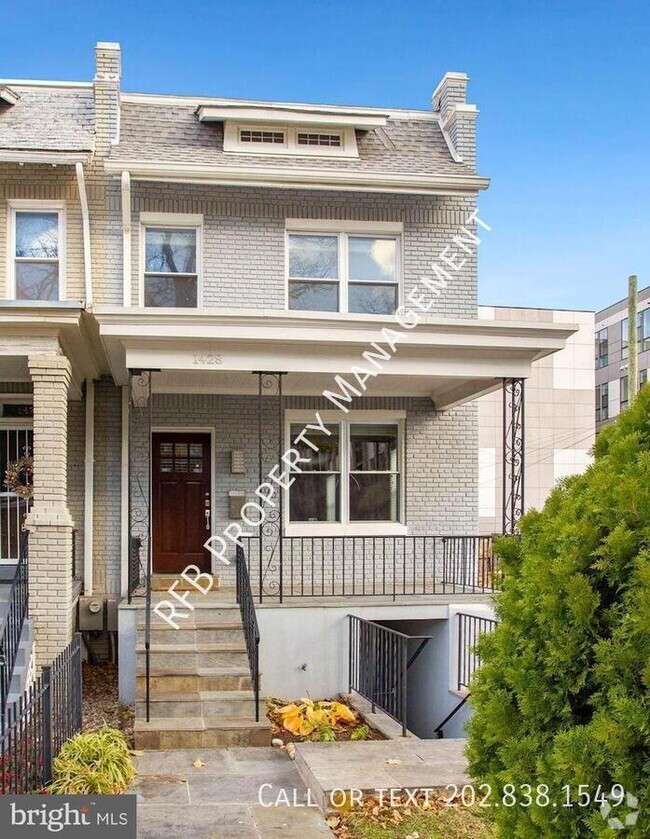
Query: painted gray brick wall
<point x="108" y="447"/>
<point x="244" y="238"/>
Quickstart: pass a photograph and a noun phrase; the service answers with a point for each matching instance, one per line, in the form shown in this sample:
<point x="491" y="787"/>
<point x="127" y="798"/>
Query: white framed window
<point x="171" y="255"/>
<point x="355" y="269"/>
<point x="354" y="482"/>
<point x="36" y="250"/>
<point x="294" y="140"/>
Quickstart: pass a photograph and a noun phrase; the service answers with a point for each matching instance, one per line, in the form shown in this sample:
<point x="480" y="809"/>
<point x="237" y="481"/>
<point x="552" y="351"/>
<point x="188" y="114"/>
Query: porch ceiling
<point x="449" y="361"/>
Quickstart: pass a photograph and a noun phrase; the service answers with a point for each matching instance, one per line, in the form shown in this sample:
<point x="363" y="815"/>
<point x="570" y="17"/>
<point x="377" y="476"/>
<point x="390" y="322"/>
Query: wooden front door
<point x="181" y="490"/>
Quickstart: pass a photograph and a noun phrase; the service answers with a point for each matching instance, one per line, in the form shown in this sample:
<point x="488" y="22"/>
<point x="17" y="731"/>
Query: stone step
<point x="211" y="633"/>
<point x="198" y="733"/>
<point x="193" y="680"/>
<point x="227" y="704"/>
<point x="162" y="582"/>
<point x="163" y="657"/>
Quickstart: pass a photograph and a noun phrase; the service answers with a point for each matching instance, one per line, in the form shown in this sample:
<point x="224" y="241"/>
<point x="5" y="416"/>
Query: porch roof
<point x="215" y="351"/>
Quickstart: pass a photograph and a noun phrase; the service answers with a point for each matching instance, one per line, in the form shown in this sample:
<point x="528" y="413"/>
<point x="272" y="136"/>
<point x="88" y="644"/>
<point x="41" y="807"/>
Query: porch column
<point x="49" y="522"/>
<point x="513" y="453"/>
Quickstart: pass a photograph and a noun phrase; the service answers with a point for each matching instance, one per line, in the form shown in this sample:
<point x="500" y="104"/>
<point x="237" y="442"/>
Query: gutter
<point x="326" y="179"/>
<point x="85" y="220"/>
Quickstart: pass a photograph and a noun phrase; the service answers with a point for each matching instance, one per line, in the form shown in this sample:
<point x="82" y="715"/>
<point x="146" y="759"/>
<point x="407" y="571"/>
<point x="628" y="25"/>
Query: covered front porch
<point x="386" y="503"/>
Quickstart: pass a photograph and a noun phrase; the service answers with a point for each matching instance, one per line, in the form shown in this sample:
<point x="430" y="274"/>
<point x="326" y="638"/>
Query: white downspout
<point x="124" y="495"/>
<point x="126" y="238"/>
<point x="85" y="220"/>
<point x="89" y="486"/>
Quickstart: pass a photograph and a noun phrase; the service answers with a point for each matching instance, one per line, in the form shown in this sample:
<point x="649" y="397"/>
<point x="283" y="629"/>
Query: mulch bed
<point x="342" y="731"/>
<point x="101" y="700"/>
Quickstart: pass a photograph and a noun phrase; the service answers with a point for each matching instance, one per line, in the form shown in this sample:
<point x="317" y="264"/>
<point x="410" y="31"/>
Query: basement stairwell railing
<point x="379" y="662"/>
<point x="249" y="624"/>
<point x="17" y="608"/>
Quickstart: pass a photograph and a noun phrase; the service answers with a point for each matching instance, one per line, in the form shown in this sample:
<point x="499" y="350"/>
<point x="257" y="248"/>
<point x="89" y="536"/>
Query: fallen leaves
<point x="198" y="763"/>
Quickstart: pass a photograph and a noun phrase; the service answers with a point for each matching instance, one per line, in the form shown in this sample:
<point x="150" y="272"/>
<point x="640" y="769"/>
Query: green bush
<point x="93" y="762"/>
<point x="563" y="696"/>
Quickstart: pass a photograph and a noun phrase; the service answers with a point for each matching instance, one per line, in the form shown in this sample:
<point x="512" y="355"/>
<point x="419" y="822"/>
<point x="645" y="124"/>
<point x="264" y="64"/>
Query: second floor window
<point x="602" y="349"/>
<point x="343" y="272"/>
<point x="624" y="339"/>
<point x="170" y="267"/>
<point x="602" y="402"/>
<point x="643" y="377"/>
<point x="37" y="255"/>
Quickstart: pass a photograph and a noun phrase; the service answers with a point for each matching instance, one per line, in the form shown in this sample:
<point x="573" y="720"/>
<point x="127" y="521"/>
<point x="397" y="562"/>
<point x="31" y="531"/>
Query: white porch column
<point x="49" y="522"/>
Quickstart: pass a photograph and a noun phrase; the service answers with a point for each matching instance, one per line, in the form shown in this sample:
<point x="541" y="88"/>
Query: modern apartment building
<point x="559" y="418"/>
<point x="612" y="353"/>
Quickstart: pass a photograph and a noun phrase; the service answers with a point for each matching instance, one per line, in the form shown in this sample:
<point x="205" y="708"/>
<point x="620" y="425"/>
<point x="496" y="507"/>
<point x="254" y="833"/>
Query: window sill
<point x="330" y="529"/>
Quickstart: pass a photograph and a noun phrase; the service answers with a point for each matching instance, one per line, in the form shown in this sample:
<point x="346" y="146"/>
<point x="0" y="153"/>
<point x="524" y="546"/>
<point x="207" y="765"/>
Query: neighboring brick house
<point x="162" y="254"/>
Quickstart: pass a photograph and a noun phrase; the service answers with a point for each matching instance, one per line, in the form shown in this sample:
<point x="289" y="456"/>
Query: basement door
<point x="181" y="502"/>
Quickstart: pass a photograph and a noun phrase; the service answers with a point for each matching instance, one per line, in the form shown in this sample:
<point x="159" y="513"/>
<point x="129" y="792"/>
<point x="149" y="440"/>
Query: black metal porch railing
<point x="249" y="623"/>
<point x="136" y="569"/>
<point x="35" y="727"/>
<point x="14" y="620"/>
<point x="470" y="627"/>
<point x="379" y="661"/>
<point x="391" y="566"/>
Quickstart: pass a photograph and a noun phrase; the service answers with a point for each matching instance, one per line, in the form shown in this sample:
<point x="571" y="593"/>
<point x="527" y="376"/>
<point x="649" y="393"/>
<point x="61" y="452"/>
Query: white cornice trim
<point x="327" y="179"/>
<point x="8" y="95"/>
<point x="53" y="158"/>
<point x="44" y="83"/>
<point x="290" y="115"/>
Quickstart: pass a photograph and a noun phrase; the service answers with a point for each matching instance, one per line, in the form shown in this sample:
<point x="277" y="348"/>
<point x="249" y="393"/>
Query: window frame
<point x="25" y="205"/>
<point x="345" y="527"/>
<point x="602" y="411"/>
<point x="602" y="360"/>
<point x="170" y="221"/>
<point x="232" y="143"/>
<point x="623" y="403"/>
<point x="625" y="338"/>
<point x="343" y="231"/>
<point x="644" y="320"/>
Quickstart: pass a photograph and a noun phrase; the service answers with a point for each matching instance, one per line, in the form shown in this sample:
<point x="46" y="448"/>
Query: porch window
<point x="37" y="254"/>
<point x="343" y="272"/>
<point x="354" y="477"/>
<point x="170" y="269"/>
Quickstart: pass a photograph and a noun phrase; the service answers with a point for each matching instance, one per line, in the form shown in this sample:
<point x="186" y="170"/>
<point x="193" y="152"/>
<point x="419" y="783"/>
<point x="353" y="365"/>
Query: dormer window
<point x="290" y="128"/>
<point x="246" y="135"/>
<point x="298" y="141"/>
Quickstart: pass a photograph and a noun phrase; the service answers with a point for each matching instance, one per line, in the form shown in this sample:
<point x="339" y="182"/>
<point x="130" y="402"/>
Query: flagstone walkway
<point x="177" y="796"/>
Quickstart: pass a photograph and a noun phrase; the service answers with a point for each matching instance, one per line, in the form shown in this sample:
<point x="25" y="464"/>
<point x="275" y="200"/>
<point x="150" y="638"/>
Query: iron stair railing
<point x="246" y="603"/>
<point x="379" y="662"/>
<point x="17" y="610"/>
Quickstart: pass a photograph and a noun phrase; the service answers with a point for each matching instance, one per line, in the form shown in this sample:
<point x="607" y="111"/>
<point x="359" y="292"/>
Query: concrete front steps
<point x="200" y="685"/>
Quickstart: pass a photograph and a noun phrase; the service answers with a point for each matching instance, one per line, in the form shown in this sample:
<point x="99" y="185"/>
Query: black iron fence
<point x="379" y="661"/>
<point x="36" y="726"/>
<point x="343" y="566"/>
<point x="470" y="628"/>
<point x="249" y="623"/>
<point x="136" y="568"/>
<point x="14" y="620"/>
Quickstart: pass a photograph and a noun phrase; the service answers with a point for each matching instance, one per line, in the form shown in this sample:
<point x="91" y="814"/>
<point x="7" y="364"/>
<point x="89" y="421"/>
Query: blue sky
<point x="562" y="88"/>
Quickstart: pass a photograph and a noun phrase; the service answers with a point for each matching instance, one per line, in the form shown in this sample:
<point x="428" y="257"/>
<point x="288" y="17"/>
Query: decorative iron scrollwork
<point x="513" y="453"/>
<point x="270" y="414"/>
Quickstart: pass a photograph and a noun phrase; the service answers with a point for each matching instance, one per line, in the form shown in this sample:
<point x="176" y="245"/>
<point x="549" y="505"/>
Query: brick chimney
<point x="457" y="118"/>
<point x="106" y="87"/>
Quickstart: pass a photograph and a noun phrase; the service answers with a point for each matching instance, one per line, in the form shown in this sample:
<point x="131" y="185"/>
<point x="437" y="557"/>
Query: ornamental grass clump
<point x="93" y="762"/>
<point x="562" y="698"/>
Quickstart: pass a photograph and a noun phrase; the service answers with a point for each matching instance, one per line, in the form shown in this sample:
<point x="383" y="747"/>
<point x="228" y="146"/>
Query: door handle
<point x="207" y="518"/>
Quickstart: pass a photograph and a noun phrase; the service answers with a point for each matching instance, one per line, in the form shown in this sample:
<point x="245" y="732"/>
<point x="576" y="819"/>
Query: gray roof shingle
<point x="172" y="133"/>
<point x="48" y="119"/>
